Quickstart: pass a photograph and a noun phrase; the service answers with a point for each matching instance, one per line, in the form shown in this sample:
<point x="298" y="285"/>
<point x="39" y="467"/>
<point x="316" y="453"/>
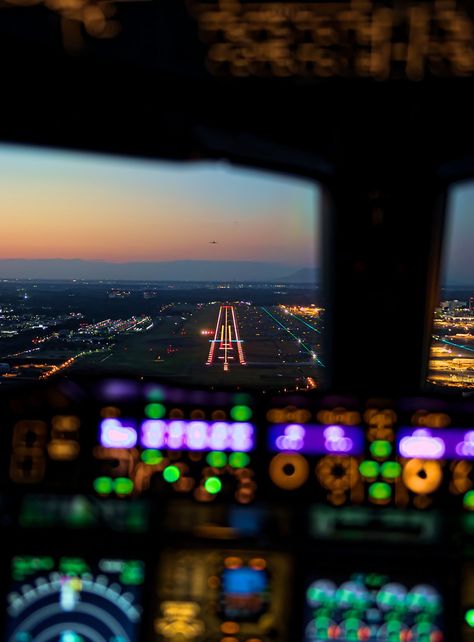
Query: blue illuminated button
<point x="70" y="636"/>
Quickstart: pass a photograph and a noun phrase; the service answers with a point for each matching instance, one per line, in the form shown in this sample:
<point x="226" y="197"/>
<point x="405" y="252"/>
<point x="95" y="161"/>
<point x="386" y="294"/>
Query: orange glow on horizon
<point x="79" y="206"/>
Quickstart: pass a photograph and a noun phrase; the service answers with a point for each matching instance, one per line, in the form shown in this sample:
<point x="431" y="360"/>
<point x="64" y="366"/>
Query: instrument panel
<point x="134" y="511"/>
<point x="73" y="599"/>
<point x="120" y="439"/>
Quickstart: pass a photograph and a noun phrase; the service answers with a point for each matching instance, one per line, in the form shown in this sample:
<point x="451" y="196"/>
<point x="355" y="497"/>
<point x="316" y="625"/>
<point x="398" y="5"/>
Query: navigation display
<point x="74" y="600"/>
<point x="244" y="592"/>
<point x="224" y="595"/>
<point x="199" y="273"/>
<point x="451" y="361"/>
<point x="372" y="607"/>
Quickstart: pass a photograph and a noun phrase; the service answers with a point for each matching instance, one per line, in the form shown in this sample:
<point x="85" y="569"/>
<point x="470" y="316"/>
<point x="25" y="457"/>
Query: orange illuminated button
<point x="288" y="471"/>
<point x="233" y="562"/>
<point x="229" y="628"/>
<point x="110" y="411"/>
<point x="257" y="563"/>
<point x="422" y="476"/>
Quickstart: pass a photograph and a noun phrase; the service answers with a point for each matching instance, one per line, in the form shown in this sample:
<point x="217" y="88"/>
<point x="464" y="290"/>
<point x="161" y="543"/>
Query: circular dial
<point x="61" y="608"/>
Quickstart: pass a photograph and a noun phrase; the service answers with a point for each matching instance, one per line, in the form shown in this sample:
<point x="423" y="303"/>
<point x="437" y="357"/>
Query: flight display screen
<point x="244" y="592"/>
<point x="372" y="607"/>
<point x="451" y="360"/>
<point x="202" y="273"/>
<point x="74" y="600"/>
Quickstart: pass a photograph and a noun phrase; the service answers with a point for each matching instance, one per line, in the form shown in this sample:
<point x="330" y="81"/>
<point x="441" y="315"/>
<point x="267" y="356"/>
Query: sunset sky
<point x="70" y="205"/>
<point x="459" y="237"/>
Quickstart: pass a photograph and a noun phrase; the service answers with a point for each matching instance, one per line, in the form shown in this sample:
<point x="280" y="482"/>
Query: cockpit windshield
<point x="201" y="273"/>
<point x="452" y="349"/>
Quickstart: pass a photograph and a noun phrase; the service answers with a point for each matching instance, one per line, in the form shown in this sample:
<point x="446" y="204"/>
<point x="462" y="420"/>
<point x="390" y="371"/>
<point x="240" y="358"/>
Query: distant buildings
<point x="451" y="360"/>
<point x="119" y="294"/>
<point x="453" y="305"/>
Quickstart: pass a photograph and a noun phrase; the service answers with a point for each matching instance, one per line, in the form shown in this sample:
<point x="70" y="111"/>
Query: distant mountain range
<point x="305" y="275"/>
<point x="154" y="271"/>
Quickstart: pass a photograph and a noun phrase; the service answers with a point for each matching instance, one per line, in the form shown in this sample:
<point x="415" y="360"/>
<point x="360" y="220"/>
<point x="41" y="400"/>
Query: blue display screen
<point x="244" y="592"/>
<point x="244" y="581"/>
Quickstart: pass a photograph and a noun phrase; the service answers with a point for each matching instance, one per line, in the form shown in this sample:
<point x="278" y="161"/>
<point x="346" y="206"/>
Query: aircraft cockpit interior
<point x="237" y="321"/>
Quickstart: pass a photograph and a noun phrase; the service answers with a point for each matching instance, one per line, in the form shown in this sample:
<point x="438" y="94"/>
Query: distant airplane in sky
<point x="213" y="242"/>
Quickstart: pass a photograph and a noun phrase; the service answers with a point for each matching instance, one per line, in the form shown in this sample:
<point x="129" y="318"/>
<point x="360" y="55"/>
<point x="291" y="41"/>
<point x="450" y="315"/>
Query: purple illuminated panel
<point x="317" y="440"/>
<point x="423" y="443"/>
<point x="197" y="435"/>
<point x="117" y="433"/>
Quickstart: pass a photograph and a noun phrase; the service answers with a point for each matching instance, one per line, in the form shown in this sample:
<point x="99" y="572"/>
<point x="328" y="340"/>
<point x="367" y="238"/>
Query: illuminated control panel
<point x="72" y="599"/>
<point x="372" y="607"/>
<point x="223" y="595"/>
<point x="246" y="514"/>
<point x="196" y="457"/>
<point x="124" y="440"/>
<point x="373" y="458"/>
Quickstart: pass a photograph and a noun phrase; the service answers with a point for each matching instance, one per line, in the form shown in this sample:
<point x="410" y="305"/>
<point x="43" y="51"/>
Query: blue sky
<point x="458" y="253"/>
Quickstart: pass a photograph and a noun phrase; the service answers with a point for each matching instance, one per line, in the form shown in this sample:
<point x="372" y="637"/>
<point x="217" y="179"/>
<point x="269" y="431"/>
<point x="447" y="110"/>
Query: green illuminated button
<point x="380" y="448"/>
<point x="123" y="486"/>
<point x="469" y="617"/>
<point x="103" y="485"/>
<point x="213" y="485"/>
<point x="133" y="573"/>
<point x="217" y="459"/>
<point x="352" y="623"/>
<point x="171" y="474"/>
<point x="468" y="500"/>
<point x="369" y="469"/>
<point x="424" y="628"/>
<point x="321" y="624"/>
<point x="391" y="470"/>
<point x="380" y="491"/>
<point x="155" y="410"/>
<point x="152" y="457"/>
<point x="73" y="566"/>
<point x="241" y="413"/>
<point x="239" y="460"/>
<point x="394" y="628"/>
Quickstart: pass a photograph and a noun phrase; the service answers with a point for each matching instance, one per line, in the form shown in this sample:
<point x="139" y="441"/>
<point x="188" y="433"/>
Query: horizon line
<point x="125" y="262"/>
